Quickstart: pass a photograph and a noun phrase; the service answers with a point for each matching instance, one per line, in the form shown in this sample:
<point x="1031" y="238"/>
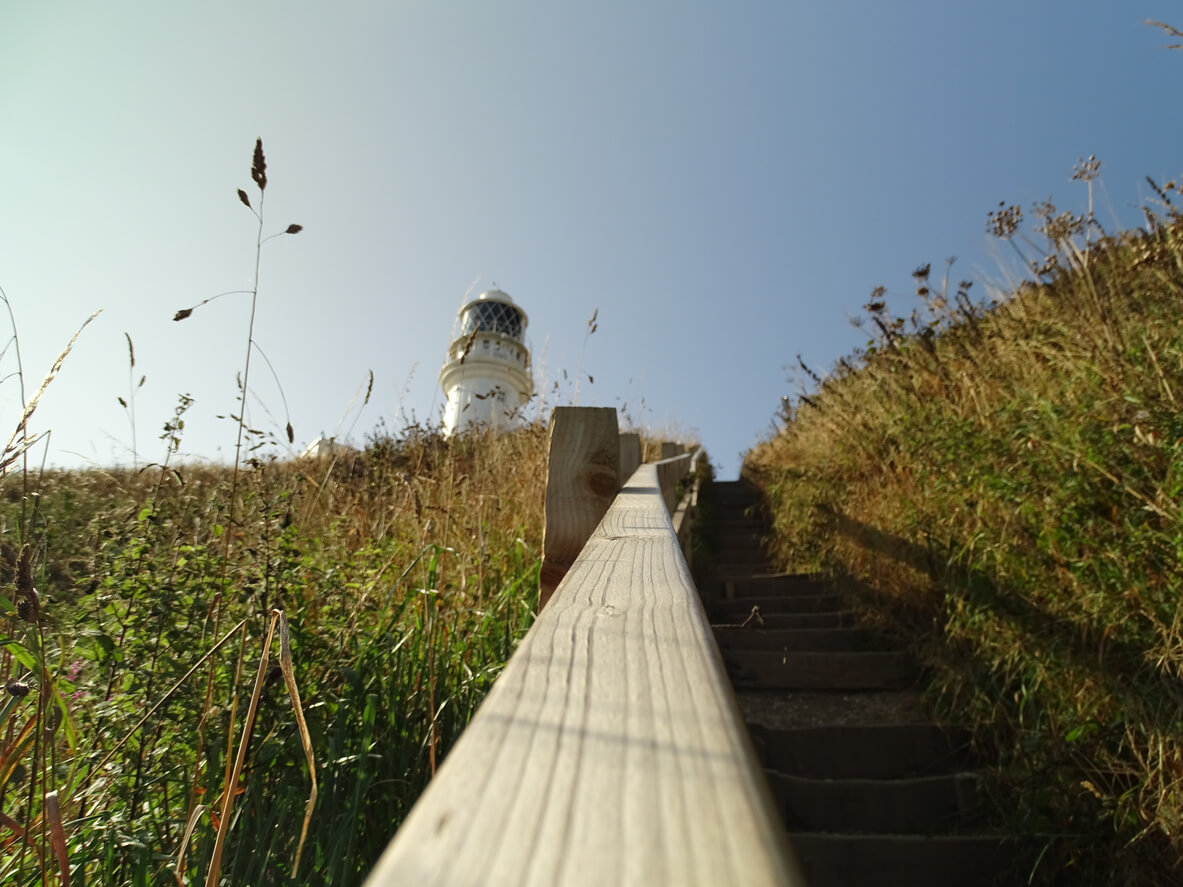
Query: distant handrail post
<point x="582" y="479"/>
<point x="685" y="508"/>
<point x="630" y="454"/>
<point x="674" y="465"/>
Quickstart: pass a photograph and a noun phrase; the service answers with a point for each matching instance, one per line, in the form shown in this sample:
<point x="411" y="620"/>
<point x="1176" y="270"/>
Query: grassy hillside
<point x="405" y="575"/>
<point x="247" y="674"/>
<point x="1002" y="480"/>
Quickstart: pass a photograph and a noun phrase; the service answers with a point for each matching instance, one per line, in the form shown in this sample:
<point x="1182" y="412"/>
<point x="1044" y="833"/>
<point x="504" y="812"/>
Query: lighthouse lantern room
<point x="486" y="376"/>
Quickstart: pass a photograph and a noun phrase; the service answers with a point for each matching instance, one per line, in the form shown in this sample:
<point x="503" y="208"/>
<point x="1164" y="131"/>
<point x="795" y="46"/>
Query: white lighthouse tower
<point x="487" y="374"/>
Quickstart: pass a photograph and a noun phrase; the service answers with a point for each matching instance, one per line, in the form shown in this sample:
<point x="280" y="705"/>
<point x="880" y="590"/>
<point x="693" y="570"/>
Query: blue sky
<point x="725" y="183"/>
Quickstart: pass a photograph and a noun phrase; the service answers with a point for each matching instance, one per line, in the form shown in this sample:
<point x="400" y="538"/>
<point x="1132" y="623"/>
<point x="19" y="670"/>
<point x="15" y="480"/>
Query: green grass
<point x="407" y="574"/>
<point x="152" y="729"/>
<point x="185" y="647"/>
<point x="1003" y="482"/>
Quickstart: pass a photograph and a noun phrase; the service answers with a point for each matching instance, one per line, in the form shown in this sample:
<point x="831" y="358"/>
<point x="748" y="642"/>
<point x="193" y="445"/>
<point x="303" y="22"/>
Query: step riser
<point x="740" y="609"/>
<point x="741" y="528"/>
<point x="850" y="755"/>
<point x="783" y="641"/>
<point x="901" y="861"/>
<point x="885" y="752"/>
<point x="736" y="515"/>
<point x="818" y="671"/>
<point x="795" y="621"/>
<point x="724" y="542"/>
<point x="903" y="806"/>
<point x="754" y="591"/>
<point x="736" y="555"/>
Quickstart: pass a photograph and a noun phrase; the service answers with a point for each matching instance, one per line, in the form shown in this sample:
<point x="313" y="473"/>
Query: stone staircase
<point x="869" y="790"/>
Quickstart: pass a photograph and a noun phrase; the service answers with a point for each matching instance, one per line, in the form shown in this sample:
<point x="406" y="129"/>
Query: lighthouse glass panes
<point x="493" y="317"/>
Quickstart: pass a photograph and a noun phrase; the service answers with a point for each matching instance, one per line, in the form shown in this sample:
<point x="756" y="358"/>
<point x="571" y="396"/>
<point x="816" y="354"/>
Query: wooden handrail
<point x="582" y="478"/>
<point x="610" y="750"/>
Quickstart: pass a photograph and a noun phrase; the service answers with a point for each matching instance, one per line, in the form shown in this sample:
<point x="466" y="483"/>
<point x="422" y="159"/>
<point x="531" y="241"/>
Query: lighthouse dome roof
<point x="496" y="295"/>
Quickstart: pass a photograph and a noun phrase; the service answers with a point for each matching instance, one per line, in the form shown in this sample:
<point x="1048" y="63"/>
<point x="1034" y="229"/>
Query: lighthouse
<point x="486" y="376"/>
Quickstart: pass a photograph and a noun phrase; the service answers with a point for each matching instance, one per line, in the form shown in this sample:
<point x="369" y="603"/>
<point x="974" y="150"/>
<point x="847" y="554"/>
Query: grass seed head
<point x="259" y="166"/>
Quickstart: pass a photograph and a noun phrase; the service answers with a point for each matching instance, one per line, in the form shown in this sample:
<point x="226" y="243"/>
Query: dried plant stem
<point x="214" y="874"/>
<point x="179" y="868"/>
<point x="289" y="678"/>
<point x="1166" y="386"/>
<point x="53" y="814"/>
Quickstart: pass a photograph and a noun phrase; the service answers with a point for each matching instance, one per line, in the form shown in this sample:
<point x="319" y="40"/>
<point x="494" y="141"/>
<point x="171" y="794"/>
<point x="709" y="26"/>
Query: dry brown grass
<point x="1004" y="484"/>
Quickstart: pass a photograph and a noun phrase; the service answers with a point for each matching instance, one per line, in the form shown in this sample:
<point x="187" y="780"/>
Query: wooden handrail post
<point x="630" y="454"/>
<point x="670" y="448"/>
<point x="610" y="750"/>
<point x="670" y="471"/>
<point x="582" y="479"/>
<point x="682" y="515"/>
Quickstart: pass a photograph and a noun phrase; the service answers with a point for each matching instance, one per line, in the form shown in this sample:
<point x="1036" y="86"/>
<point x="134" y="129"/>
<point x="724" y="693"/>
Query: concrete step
<point x="922" y="805"/>
<point x="765" y="670"/>
<point x="829" y="860"/>
<point x="794" y="640"/>
<point x="890" y="751"/>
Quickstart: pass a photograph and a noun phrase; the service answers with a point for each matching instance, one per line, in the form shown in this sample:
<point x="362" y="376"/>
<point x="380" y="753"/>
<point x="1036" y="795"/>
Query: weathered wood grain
<point x="583" y="475"/>
<point x="610" y="750"/>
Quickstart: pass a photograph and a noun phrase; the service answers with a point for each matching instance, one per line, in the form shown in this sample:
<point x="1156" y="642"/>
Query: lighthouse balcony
<point x="490" y="347"/>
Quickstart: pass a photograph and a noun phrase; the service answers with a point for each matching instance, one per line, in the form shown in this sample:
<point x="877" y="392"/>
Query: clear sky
<point x="724" y="182"/>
